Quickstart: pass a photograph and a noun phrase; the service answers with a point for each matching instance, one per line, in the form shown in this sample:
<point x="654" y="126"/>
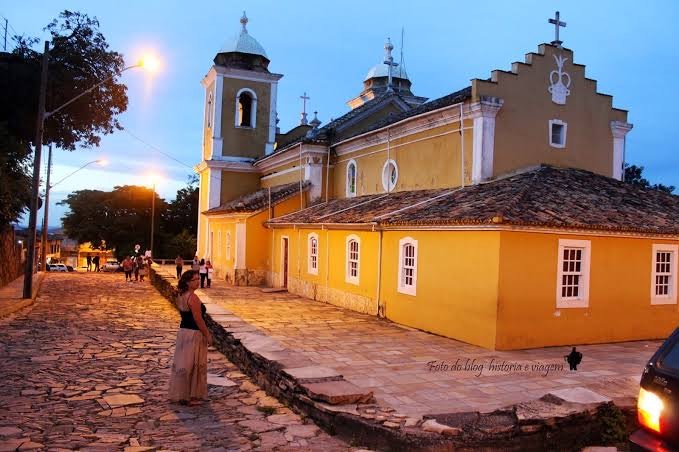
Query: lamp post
<point x="46" y="204"/>
<point x="35" y="192"/>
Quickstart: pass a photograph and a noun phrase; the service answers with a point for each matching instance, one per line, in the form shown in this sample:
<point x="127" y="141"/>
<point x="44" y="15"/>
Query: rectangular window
<point x="557" y="133"/>
<point x="407" y="277"/>
<point x="353" y="259"/>
<point x="573" y="274"/>
<point x="313" y="254"/>
<point x="664" y="274"/>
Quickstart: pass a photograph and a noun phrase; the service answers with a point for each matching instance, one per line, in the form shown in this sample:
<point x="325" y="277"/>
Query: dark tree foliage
<point x="79" y="58"/>
<point x="182" y="213"/>
<point x="633" y="175"/>
<point x="15" y="182"/>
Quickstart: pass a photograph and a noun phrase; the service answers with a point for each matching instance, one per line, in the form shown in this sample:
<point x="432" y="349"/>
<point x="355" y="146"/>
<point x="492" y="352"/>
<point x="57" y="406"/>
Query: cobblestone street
<point x="86" y="367"/>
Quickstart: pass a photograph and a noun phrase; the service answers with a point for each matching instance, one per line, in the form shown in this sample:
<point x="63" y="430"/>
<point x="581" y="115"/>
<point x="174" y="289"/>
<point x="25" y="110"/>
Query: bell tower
<point x="239" y="123"/>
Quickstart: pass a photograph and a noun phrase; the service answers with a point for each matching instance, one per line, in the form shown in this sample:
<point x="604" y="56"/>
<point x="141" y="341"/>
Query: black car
<point x="658" y="404"/>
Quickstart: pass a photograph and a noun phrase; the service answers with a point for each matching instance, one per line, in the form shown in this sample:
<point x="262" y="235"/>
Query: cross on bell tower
<point x="557" y="23"/>
<point x="303" y="120"/>
<point x="389" y="61"/>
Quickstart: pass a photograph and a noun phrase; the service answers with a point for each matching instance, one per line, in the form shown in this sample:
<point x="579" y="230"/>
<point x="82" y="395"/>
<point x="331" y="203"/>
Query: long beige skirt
<point x="188" y="379"/>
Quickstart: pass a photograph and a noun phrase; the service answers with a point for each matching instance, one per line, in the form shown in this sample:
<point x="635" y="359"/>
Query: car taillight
<point x="649" y="410"/>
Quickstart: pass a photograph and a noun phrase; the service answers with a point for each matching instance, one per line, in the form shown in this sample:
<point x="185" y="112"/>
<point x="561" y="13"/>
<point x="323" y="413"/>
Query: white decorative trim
<point x="290" y="155"/>
<point x="313" y="172"/>
<point x="386" y="183"/>
<point x="214" y="188"/>
<point x="348" y="277"/>
<point x="284" y="257"/>
<point x="347" y="182"/>
<point x="402" y="287"/>
<point x="218" y="109"/>
<point x="310" y="268"/>
<point x="558" y="89"/>
<point x="228" y="245"/>
<point x="241" y="167"/>
<point x="272" y="119"/>
<point x="242" y="74"/>
<point x="218" y="248"/>
<point x="671" y="297"/>
<point x="582" y="300"/>
<point x="619" y="130"/>
<point x="280" y="173"/>
<point x="240" y="246"/>
<point x="253" y="109"/>
<point x="552" y="122"/>
<point x="483" y="148"/>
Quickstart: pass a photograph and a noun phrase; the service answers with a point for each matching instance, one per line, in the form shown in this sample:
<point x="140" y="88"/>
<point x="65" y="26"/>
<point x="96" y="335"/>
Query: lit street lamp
<point x="46" y="204"/>
<point x="42" y="115"/>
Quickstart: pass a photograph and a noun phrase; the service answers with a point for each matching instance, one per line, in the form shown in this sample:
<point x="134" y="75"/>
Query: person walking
<point x="143" y="268"/>
<point x="179" y="263"/>
<point x="138" y="264"/>
<point x="195" y="264"/>
<point x="128" y="267"/>
<point x="95" y="261"/>
<point x="210" y="271"/>
<point x="202" y="270"/>
<point x="89" y="263"/>
<point x="188" y="377"/>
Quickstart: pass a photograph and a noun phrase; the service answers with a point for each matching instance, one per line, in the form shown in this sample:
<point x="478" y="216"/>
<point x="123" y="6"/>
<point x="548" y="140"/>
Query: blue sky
<point x="326" y="49"/>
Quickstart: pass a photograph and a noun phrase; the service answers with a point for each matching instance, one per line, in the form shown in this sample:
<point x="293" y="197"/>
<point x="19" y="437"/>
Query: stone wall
<point x="10" y="256"/>
<point x="319" y="292"/>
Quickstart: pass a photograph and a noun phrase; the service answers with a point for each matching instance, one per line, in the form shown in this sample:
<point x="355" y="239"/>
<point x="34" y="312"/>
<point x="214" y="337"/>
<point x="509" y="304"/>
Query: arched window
<point x="351" y="178"/>
<point x="407" y="266"/>
<point x="246" y="108"/>
<point x="353" y="259"/>
<point x="389" y="175"/>
<point x="313" y="254"/>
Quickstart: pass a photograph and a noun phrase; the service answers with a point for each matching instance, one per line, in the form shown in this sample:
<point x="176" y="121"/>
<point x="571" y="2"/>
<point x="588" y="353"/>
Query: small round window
<point x="389" y="175"/>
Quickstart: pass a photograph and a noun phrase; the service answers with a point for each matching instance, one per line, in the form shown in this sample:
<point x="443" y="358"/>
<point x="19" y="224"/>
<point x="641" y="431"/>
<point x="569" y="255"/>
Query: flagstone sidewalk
<point x="418" y="373"/>
<point x="11" y="295"/>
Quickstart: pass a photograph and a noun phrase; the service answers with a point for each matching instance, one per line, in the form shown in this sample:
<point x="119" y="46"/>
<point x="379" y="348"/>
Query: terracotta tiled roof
<point x="545" y="196"/>
<point x="258" y="200"/>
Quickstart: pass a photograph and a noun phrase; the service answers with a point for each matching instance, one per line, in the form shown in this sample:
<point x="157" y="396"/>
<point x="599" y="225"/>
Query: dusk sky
<point x="326" y="49"/>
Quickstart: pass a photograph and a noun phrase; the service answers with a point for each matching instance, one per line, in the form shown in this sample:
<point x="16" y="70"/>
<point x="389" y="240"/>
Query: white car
<point x="111" y="265"/>
<point x="57" y="268"/>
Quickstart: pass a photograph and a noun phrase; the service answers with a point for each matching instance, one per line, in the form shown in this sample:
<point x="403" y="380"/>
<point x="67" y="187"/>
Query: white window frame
<point x="312" y="255"/>
<point x="386" y="182"/>
<point x="349" y="193"/>
<point x="582" y="301"/>
<point x="228" y="245"/>
<point x="253" y="109"/>
<point x="348" y="276"/>
<point x="671" y="297"/>
<point x="402" y="286"/>
<point x="552" y="122"/>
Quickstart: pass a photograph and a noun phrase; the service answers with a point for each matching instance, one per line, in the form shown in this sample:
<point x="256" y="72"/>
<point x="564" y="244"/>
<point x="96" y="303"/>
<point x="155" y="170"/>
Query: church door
<point x="284" y="257"/>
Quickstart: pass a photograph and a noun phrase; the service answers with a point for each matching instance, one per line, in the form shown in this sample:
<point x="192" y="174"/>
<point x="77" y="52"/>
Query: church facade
<point x="495" y="215"/>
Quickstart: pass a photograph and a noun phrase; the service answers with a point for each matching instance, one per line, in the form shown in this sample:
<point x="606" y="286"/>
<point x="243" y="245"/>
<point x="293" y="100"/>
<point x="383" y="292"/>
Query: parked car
<point x="658" y="403"/>
<point x="57" y="268"/>
<point x="111" y="265"/>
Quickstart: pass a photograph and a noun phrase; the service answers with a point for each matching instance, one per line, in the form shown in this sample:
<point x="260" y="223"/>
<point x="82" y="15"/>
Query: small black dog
<point x="573" y="359"/>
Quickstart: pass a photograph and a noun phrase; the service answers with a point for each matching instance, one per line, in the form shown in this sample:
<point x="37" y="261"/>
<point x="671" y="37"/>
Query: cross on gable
<point x="303" y="119"/>
<point x="557" y="23"/>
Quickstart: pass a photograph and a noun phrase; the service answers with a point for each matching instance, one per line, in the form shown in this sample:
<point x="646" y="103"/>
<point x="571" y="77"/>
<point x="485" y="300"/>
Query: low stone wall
<point x="550" y="423"/>
<point x="336" y="297"/>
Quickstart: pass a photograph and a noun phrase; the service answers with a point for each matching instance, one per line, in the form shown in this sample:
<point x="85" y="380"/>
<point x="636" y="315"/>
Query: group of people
<point x="137" y="265"/>
<point x="93" y="261"/>
<point x="204" y="269"/>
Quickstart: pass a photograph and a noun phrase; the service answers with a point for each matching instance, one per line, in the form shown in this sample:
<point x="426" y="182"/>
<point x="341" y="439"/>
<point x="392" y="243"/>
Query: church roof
<point x="258" y="200"/>
<point x="544" y="196"/>
<point x="243" y="43"/>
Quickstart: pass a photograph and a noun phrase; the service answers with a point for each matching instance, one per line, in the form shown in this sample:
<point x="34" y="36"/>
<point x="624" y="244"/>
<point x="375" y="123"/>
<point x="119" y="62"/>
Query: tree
<point x="15" y="183"/>
<point x="182" y="213"/>
<point x="120" y="219"/>
<point x="633" y="175"/>
<point x="79" y="59"/>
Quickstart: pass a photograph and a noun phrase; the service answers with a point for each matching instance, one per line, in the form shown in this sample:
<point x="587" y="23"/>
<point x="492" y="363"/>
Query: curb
<point x="11" y="305"/>
<point x="549" y="423"/>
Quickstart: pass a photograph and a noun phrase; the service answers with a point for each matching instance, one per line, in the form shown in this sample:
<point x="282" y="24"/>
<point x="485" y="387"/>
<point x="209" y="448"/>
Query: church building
<point x="495" y="215"/>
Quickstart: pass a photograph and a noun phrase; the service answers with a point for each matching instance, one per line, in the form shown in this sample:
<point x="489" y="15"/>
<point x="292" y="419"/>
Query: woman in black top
<point x="188" y="379"/>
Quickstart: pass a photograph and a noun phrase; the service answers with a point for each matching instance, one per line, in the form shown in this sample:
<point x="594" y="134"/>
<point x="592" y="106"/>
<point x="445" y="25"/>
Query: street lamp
<point x="46" y="204"/>
<point x="42" y="115"/>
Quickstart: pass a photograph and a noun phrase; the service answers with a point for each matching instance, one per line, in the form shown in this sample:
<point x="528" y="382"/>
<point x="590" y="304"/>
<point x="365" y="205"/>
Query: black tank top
<point x="188" y="322"/>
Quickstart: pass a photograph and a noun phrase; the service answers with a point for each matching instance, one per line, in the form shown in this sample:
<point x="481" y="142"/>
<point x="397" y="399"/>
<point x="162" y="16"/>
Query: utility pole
<point x="35" y="193"/>
<point x="45" y="218"/>
<point x="5" y="40"/>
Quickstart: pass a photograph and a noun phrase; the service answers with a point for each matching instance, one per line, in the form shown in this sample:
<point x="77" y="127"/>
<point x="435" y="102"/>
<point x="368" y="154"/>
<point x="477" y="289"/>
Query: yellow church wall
<point x="330" y="285"/>
<point x="207" y="131"/>
<point x="619" y="295"/>
<point x="369" y="120"/>
<point x="457" y="284"/>
<point x="222" y="259"/>
<point x="522" y="124"/>
<point x="235" y="184"/>
<point x="202" y="207"/>
<point x="245" y="141"/>
<point x="426" y="160"/>
<point x="285" y="178"/>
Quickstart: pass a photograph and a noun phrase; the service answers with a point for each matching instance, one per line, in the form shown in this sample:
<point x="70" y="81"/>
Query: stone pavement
<point x="418" y="373"/>
<point x="86" y="367"/>
<point x="11" y="295"/>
